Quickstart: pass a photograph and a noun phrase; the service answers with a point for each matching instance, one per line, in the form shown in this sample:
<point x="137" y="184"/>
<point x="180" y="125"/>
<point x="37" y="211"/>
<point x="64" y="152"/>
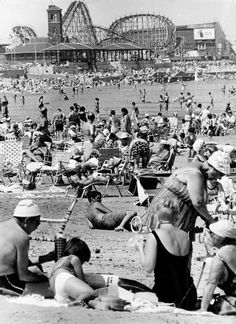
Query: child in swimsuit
<point x="67" y="276"/>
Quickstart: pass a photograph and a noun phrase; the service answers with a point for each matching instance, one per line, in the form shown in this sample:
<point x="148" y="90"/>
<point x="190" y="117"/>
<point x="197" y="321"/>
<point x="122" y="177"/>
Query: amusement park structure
<point x="23" y="34"/>
<point x="154" y="31"/>
<point x="139" y="37"/>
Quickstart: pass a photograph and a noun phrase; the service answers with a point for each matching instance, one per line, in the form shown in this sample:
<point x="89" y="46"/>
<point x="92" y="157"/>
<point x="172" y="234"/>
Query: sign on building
<point x="204" y="33"/>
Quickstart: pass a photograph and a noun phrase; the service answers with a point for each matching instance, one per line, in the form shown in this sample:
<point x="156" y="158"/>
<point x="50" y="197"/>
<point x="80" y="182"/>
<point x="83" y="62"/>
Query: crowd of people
<point x="143" y="142"/>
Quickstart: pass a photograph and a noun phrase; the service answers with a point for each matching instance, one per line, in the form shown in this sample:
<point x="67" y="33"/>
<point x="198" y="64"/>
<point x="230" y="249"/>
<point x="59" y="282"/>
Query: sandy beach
<point x="111" y="253"/>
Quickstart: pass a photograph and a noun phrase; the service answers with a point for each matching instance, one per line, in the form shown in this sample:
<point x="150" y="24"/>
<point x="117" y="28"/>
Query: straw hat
<point x="27" y="208"/>
<point x="220" y="161"/>
<point x="224" y="228"/>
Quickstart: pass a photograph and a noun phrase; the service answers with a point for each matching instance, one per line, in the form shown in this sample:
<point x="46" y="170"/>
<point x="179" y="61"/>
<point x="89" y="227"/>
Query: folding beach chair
<point x="57" y="227"/>
<point x="2" y="163"/>
<point x="107" y="153"/>
<point x="10" y="159"/>
<point x="110" y="180"/>
<point x="60" y="160"/>
<point x="13" y="152"/>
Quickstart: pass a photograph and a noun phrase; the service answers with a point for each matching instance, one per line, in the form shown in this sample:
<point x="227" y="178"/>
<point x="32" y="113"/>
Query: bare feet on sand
<point x="120" y="229"/>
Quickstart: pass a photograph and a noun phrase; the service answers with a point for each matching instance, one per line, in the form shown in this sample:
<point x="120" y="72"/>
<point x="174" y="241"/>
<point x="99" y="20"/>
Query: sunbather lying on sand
<point x="101" y="217"/>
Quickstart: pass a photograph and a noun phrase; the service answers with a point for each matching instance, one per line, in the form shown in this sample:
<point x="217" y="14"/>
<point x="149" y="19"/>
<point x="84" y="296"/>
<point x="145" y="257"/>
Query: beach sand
<point x="110" y="251"/>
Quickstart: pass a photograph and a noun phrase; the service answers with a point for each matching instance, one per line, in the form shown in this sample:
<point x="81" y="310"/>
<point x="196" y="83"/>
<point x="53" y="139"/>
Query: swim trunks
<point x="13" y="283"/>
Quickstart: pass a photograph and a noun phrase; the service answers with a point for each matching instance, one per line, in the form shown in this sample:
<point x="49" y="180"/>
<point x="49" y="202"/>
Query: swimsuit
<point x="62" y="264"/>
<point x="13" y="283"/>
<point x="186" y="217"/>
<point x="173" y="283"/>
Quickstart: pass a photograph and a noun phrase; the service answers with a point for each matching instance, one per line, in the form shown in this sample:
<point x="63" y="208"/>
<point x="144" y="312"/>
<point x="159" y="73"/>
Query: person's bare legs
<point x="129" y="215"/>
<point x="145" y="160"/>
<point x="136" y="161"/>
<point x="78" y="290"/>
<point x="91" y="179"/>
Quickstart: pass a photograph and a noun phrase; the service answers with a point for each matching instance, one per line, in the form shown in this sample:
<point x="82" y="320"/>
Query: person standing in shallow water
<point x="23" y="100"/>
<point x="166" y="101"/>
<point x="97" y="108"/>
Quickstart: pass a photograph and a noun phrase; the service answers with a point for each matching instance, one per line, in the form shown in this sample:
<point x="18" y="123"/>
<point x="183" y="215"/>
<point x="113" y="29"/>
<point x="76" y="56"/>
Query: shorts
<point x="59" y="127"/>
<point x="60" y="296"/>
<point x="13" y="283"/>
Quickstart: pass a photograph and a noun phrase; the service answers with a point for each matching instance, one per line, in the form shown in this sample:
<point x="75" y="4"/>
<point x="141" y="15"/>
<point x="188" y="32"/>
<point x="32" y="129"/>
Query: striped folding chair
<point x="13" y="152"/>
<point x="59" y="161"/>
<point x="2" y="163"/>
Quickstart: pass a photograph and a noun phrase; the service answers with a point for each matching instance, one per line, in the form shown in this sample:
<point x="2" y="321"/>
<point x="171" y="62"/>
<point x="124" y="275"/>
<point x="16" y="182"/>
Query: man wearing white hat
<point x="223" y="267"/>
<point x="14" y="248"/>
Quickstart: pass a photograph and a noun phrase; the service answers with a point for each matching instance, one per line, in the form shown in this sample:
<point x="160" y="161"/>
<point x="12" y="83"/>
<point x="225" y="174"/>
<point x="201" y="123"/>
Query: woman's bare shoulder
<point x="191" y="169"/>
<point x="227" y="251"/>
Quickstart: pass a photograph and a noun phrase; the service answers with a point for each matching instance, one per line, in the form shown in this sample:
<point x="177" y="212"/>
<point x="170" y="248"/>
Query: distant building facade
<point x="54" y="24"/>
<point x="207" y="39"/>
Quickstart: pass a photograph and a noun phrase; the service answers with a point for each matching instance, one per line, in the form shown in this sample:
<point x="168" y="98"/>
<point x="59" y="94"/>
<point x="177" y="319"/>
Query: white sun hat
<point x="220" y="161"/>
<point x="27" y="208"/>
<point x="224" y="228"/>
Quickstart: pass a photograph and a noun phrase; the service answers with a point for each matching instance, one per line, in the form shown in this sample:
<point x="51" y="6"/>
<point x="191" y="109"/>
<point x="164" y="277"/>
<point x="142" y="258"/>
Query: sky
<point x="104" y="12"/>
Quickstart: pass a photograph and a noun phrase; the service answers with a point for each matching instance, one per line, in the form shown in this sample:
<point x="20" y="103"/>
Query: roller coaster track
<point x="77" y="24"/>
<point x="105" y="35"/>
<point x="149" y="24"/>
<point x="154" y="31"/>
<point x="23" y="34"/>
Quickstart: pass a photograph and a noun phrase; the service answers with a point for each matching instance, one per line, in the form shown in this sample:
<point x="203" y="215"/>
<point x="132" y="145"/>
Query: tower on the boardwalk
<point x="54" y="24"/>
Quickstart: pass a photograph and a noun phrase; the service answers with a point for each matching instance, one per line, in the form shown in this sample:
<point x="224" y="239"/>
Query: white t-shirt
<point x="204" y="114"/>
<point x="158" y="120"/>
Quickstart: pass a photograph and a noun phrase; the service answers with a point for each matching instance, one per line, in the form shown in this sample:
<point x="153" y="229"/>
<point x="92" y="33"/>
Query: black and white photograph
<point x="118" y="161"/>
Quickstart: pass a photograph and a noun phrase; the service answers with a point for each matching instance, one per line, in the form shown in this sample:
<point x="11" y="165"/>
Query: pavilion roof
<point x="69" y="47"/>
<point x="28" y="48"/>
<point x="124" y="46"/>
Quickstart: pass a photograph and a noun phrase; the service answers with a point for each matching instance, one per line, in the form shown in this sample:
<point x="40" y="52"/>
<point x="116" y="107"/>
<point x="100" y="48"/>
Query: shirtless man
<point x="101" y="217"/>
<point x="14" y="248"/>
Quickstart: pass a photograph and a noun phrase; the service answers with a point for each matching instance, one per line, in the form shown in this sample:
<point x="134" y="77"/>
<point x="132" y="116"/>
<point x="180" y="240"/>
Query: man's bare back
<point x="12" y="238"/>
